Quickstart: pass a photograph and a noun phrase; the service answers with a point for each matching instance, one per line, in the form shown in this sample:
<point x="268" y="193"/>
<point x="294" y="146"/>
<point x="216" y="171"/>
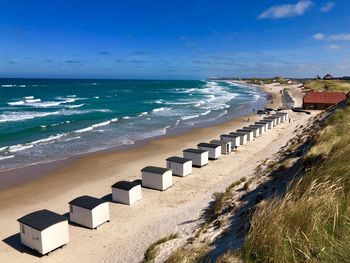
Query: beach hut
<point x="179" y="166"/>
<point x="260" y="128"/>
<point x="273" y="119"/>
<point x="233" y="139"/>
<point x="284" y="116"/>
<point x="214" y="150"/>
<point x="88" y="211"/>
<point x="157" y="178"/>
<point x="125" y="192"/>
<point x="250" y="134"/>
<point x="225" y="146"/>
<point x="268" y="124"/>
<point x="254" y="130"/>
<point x="242" y="137"/>
<point x="199" y="157"/>
<point x="44" y="231"/>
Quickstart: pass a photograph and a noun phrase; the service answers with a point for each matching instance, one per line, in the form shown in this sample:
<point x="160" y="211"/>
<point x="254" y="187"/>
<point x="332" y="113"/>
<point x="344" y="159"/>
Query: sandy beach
<point x="133" y="229"/>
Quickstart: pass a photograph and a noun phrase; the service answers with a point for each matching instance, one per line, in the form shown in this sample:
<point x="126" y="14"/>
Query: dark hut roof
<point x="238" y="133"/>
<point x="154" y="170"/>
<point x="218" y="142"/>
<point x="87" y="202"/>
<point x="231" y="135"/>
<point x="243" y="131"/>
<point x="198" y="151"/>
<point x="125" y="185"/>
<point x="208" y="145"/>
<point x="42" y="219"/>
<point x="250" y="128"/>
<point x="176" y="159"/>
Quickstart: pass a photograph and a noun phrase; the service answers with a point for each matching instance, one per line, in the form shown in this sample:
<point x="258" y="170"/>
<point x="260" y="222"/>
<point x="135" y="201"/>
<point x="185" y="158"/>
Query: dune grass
<point x="152" y="251"/>
<point x="311" y="223"/>
<point x="328" y="85"/>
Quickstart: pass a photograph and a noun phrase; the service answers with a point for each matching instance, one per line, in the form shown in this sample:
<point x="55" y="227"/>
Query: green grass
<point x="152" y="251"/>
<point x="328" y="85"/>
<point x="311" y="223"/>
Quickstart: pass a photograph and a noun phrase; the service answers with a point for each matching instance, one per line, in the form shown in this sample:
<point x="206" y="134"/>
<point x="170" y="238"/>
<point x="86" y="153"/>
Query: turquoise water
<point x="44" y="120"/>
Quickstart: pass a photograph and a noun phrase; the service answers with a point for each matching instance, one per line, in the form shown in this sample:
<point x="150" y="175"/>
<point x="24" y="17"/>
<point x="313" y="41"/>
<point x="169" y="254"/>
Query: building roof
<point x="125" y="185"/>
<point x="243" y="131"/>
<point x="176" y="159"/>
<point x="208" y="145"/>
<point x="198" y="151"/>
<point x="219" y="142"/>
<point x="325" y="97"/>
<point x="154" y="170"/>
<point x="87" y="202"/>
<point x="42" y="219"/>
<point x="239" y="133"/>
<point x="250" y="128"/>
<point x="230" y="135"/>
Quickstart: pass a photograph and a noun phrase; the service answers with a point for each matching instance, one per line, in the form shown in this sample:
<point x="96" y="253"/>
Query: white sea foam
<point x="15" y="103"/>
<point x="114" y="120"/>
<point x="126" y="117"/>
<point x="29" y="97"/>
<point x="48" y="139"/>
<point x="21" y="116"/>
<point x="75" y="106"/>
<point x="142" y="114"/>
<point x="189" y="117"/>
<point x="71" y="139"/>
<point x="205" y="113"/>
<point x="3" y="148"/>
<point x="97" y="97"/>
<point x="101" y="124"/>
<point x="85" y="130"/>
<point x="6" y="157"/>
<point x="32" y="100"/>
<point x="19" y="147"/>
<point x="177" y="122"/>
<point x="161" y="109"/>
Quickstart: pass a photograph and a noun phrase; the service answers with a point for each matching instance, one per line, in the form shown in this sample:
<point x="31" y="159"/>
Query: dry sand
<point x="133" y="229"/>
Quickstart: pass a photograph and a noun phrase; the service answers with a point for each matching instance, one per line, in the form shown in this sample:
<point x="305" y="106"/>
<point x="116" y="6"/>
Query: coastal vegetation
<point x="311" y="222"/>
<point x="152" y="251"/>
<point x="304" y="213"/>
<point x="328" y="85"/>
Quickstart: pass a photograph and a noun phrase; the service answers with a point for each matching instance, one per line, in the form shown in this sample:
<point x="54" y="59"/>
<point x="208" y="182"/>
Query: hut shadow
<point x="107" y="197"/>
<point x="14" y="241"/>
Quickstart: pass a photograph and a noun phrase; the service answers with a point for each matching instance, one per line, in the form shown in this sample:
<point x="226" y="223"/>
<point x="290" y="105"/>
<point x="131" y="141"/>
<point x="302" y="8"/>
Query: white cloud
<point x="287" y="10"/>
<point x="340" y="37"/>
<point x="333" y="46"/>
<point x="319" y="36"/>
<point x="327" y="7"/>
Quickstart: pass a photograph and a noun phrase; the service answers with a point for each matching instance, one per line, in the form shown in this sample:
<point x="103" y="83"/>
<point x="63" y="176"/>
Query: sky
<point x="179" y="39"/>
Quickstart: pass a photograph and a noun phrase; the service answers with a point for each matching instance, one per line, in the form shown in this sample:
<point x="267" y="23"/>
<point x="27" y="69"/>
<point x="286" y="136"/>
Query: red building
<point x="322" y="100"/>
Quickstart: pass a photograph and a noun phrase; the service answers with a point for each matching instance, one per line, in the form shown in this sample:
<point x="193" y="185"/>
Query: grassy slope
<point x="311" y="223"/>
<point x="333" y="85"/>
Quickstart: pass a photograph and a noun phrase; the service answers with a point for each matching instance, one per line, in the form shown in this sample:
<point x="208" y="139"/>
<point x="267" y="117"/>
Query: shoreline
<point x="18" y="176"/>
<point x="137" y="226"/>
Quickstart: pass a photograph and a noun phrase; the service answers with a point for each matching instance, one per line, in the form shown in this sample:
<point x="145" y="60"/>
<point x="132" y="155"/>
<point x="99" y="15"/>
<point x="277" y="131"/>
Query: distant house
<point x="318" y="77"/>
<point x="328" y="77"/>
<point x="322" y="100"/>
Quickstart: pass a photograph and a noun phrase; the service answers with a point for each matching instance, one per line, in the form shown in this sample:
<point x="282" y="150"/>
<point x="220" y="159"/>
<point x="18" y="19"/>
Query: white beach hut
<point x="259" y="128"/>
<point x="44" y="231"/>
<point x="255" y="130"/>
<point x="283" y="115"/>
<point x="199" y="157"/>
<point x="273" y="119"/>
<point x="88" y="211"/>
<point x="249" y="133"/>
<point x="268" y="123"/>
<point x="157" y="178"/>
<point x="125" y="192"/>
<point x="214" y="150"/>
<point x="179" y="166"/>
<point x="242" y="137"/>
<point x="233" y="139"/>
<point x="225" y="146"/>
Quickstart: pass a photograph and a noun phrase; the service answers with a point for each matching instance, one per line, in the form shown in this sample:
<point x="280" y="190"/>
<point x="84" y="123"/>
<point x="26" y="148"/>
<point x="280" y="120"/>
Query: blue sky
<point x="190" y="39"/>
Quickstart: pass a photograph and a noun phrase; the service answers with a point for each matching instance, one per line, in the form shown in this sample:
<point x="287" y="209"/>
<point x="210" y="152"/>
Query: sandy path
<point x="132" y="229"/>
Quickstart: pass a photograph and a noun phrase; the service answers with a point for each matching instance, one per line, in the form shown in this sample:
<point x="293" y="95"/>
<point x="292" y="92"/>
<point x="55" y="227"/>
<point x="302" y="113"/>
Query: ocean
<point x="43" y="120"/>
